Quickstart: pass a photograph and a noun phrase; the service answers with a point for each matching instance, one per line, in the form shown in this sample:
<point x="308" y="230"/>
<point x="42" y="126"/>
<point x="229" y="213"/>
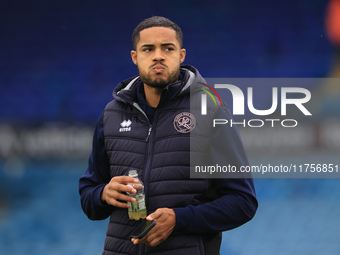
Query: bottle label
<point x="133" y="207"/>
<point x="130" y="209"/>
<point x="141" y="204"/>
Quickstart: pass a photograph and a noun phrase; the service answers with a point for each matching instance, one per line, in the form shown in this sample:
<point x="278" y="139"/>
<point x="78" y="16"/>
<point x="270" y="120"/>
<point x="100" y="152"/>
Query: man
<point x="148" y="127"/>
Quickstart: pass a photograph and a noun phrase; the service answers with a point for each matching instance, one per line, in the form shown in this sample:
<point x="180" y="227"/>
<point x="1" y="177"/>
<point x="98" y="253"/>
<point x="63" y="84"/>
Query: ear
<point x="134" y="56"/>
<point x="182" y="55"/>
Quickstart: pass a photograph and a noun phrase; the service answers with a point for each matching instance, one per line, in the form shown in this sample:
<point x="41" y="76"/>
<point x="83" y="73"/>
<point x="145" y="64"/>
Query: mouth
<point x="158" y="68"/>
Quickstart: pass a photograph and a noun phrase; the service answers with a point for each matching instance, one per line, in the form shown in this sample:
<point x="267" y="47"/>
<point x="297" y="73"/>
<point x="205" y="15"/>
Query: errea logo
<point x="125" y="126"/>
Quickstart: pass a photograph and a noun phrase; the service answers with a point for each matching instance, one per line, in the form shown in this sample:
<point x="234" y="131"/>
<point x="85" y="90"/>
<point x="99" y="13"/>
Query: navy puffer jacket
<point x="162" y="154"/>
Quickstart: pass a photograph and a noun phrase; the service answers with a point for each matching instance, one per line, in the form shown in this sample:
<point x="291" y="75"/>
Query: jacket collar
<point x="126" y="91"/>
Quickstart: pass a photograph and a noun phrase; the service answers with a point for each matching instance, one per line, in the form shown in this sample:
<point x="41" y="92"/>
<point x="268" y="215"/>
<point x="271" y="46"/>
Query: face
<point x="158" y="56"/>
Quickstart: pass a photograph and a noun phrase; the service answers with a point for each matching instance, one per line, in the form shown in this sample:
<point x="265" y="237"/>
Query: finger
<point x="122" y="188"/>
<point x="154" y="239"/>
<point x="137" y="186"/>
<point x="154" y="242"/>
<point x="119" y="196"/>
<point x="113" y="197"/>
<point x="124" y="179"/>
<point x="116" y="203"/>
<point x="150" y="217"/>
<point x="134" y="240"/>
<point x="154" y="215"/>
<point x="149" y="236"/>
<point x="157" y="237"/>
<point x="142" y="240"/>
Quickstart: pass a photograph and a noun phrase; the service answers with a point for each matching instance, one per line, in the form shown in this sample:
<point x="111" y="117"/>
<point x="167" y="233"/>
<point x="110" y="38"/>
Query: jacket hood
<point x="126" y="91"/>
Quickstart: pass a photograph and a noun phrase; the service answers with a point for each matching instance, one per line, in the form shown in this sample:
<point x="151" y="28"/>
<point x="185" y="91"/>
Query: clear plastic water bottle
<point x="137" y="209"/>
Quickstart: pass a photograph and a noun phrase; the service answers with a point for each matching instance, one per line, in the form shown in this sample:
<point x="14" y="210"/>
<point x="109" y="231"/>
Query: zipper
<point x="149" y="140"/>
<point x="141" y="247"/>
<point x="147" y="137"/>
<point x="150" y="126"/>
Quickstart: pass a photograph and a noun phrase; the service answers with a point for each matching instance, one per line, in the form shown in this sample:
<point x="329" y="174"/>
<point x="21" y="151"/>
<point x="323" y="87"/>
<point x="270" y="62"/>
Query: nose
<point x="158" y="55"/>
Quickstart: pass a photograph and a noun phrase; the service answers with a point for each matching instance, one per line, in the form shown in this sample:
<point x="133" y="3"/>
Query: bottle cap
<point x="133" y="173"/>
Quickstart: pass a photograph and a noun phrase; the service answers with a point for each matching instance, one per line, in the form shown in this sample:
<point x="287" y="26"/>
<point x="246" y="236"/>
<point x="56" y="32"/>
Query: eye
<point x="147" y="49"/>
<point x="169" y="49"/>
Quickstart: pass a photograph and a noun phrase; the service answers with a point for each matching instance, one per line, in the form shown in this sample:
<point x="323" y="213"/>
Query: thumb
<point x="154" y="215"/>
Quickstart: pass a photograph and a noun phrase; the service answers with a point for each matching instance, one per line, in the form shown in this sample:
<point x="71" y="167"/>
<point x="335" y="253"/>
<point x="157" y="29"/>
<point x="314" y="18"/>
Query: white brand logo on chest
<point x="125" y="126"/>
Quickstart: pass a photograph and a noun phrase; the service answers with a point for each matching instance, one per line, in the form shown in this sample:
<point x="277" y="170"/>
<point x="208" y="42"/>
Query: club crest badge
<point x="184" y="122"/>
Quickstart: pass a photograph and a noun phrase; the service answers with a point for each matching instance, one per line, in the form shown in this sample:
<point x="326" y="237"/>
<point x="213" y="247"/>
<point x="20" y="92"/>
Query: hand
<point x="166" y="221"/>
<point x="112" y="191"/>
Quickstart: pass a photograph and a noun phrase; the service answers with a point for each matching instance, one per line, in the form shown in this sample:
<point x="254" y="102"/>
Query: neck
<point x="152" y="95"/>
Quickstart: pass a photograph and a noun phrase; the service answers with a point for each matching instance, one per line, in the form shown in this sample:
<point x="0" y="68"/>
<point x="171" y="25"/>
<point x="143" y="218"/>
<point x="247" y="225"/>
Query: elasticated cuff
<point x="184" y="217"/>
<point x="97" y="201"/>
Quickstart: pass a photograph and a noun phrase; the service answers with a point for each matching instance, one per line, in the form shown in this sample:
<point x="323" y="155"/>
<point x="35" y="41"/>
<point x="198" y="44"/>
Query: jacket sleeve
<point x="97" y="175"/>
<point x="237" y="202"/>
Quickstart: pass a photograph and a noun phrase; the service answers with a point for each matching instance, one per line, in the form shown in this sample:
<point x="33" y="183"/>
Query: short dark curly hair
<point x="156" y="21"/>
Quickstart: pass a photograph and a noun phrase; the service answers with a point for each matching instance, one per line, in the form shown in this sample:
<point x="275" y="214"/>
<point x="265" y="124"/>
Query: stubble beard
<point x="158" y="82"/>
